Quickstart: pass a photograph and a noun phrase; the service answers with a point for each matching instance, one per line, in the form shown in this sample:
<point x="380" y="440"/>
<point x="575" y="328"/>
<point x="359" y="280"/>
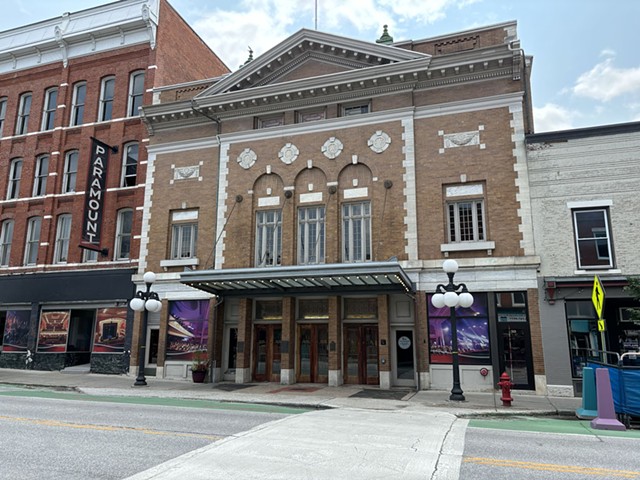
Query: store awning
<point x="331" y="279"/>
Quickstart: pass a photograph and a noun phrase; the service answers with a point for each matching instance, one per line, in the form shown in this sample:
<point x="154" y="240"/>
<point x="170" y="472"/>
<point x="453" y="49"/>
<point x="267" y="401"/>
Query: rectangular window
<point x="33" y="241"/>
<point x="356" y="232"/>
<point x="70" y="172"/>
<point x="106" y="99"/>
<point x="6" y="237"/>
<point x="466" y="221"/>
<point x="136" y="93"/>
<point x="271" y="121"/>
<point x="3" y="113"/>
<point x="49" y="109"/>
<point x="310" y="235"/>
<point x="40" y="176"/>
<point x="129" y="165"/>
<point x="77" y="108"/>
<point x="89" y="256"/>
<point x="24" y="110"/>
<point x="268" y="238"/>
<point x="183" y="240"/>
<point x="348" y="110"/>
<point x="123" y="235"/>
<point x="63" y="234"/>
<point x="15" y="174"/>
<point x="593" y="240"/>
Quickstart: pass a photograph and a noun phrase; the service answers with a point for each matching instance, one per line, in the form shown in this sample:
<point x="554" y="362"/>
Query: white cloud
<point x="605" y="81"/>
<point x="552" y="117"/>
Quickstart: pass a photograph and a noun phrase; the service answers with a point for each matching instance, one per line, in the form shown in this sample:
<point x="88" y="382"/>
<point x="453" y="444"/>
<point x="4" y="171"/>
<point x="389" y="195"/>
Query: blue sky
<point x="586" y="71"/>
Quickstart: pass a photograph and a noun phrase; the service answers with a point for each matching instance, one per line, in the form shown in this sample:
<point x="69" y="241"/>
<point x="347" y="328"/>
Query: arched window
<point x="136" y="93"/>
<point x="70" y="172"/>
<point x="24" y="110"/>
<point x="6" y="237"/>
<point x="77" y="106"/>
<point x="15" y="174"/>
<point x="63" y="234"/>
<point x="49" y="109"/>
<point x="33" y="240"/>
<point x="124" y="228"/>
<point x="129" y="165"/>
<point x="106" y="99"/>
<point x="40" y="176"/>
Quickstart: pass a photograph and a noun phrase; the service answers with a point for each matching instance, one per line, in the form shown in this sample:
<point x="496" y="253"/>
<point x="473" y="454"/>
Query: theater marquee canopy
<point x="331" y="279"/>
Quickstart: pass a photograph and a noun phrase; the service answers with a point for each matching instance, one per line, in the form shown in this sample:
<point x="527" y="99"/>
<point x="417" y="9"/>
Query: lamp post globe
<point x="437" y="300"/>
<point x="137" y="304"/>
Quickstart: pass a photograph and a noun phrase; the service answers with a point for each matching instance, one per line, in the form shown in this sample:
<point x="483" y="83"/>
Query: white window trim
<point x="366" y="220"/>
<point x="3" y="113"/>
<point x="277" y="239"/>
<point x="46" y="110"/>
<point x="13" y="180"/>
<point x="590" y="268"/>
<point x="118" y="243"/>
<point x="132" y="77"/>
<point x="66" y="173"/>
<point x="62" y="242"/>
<point x="123" y="172"/>
<point x="22" y="127"/>
<point x="39" y="179"/>
<point x="102" y="102"/>
<point x="476" y="232"/>
<point x="319" y="248"/>
<point x="6" y="240"/>
<point x="32" y="242"/>
<point x="175" y="241"/>
<point x="73" y="121"/>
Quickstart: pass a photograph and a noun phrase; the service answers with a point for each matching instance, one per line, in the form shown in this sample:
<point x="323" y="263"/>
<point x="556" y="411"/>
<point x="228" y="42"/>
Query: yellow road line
<point x="107" y="428"/>
<point x="605" y="472"/>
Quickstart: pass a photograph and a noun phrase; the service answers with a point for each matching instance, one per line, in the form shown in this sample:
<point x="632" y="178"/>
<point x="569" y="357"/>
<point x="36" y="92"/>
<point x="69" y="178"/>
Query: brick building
<point x="70" y="90"/>
<point x="299" y="211"/>
<point x="584" y="199"/>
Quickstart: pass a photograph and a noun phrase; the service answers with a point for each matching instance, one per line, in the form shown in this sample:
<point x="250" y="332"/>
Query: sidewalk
<point x="300" y="395"/>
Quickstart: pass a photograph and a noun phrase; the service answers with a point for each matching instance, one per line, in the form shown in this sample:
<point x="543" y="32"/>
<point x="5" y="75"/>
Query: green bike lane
<point x="17" y="391"/>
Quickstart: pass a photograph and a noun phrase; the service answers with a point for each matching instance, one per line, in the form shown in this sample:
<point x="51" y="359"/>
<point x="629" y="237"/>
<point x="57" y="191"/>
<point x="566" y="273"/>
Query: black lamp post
<point x="144" y="302"/>
<point x="452" y="296"/>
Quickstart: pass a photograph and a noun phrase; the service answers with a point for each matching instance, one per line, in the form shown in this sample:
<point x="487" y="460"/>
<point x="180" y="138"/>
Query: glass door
<point x="313" y="353"/>
<point x="403" y="354"/>
<point x="230" y="353"/>
<point x="267" y="354"/>
<point x="361" y="354"/>
<point x="515" y="354"/>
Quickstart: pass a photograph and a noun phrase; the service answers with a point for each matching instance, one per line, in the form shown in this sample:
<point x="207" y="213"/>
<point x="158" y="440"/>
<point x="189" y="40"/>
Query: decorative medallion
<point x="247" y="158"/>
<point x="289" y="153"/>
<point x="379" y="141"/>
<point x="332" y="148"/>
<point x="181" y="173"/>
<point x="462" y="139"/>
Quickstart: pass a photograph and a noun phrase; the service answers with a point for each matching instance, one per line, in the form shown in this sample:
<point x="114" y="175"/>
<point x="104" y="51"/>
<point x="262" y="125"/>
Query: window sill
<point x="595" y="271"/>
<point x="467" y="246"/>
<point x="182" y="262"/>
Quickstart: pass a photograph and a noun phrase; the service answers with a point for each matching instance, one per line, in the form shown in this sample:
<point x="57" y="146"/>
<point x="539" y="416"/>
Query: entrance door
<point x="404" y="372"/>
<point x="230" y="353"/>
<point x="151" y="363"/>
<point x="266" y="350"/>
<point x="515" y="354"/>
<point x="361" y="354"/>
<point x="313" y="353"/>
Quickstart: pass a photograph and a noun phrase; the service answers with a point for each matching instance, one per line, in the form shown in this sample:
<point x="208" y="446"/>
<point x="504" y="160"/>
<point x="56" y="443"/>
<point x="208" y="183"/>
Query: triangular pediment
<point x="308" y="54"/>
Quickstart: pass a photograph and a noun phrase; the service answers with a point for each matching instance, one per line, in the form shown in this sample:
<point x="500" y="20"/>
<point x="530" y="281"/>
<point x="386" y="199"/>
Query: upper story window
<point x="63" y="234"/>
<point x="465" y="214"/>
<point x="49" y="109"/>
<point x="355" y="109"/>
<point x="270" y="121"/>
<point x="3" y="113"/>
<point x="89" y="256"/>
<point x="124" y="229"/>
<point x="184" y="234"/>
<point x="356" y="232"/>
<point x="15" y="174"/>
<point x="40" y="176"/>
<point x="6" y="237"/>
<point x="136" y="93"/>
<point x="105" y="111"/>
<point x="593" y="239"/>
<point x="70" y="172"/>
<point x="129" y="165"/>
<point x="24" y="110"/>
<point x="77" y="106"/>
<point x="311" y="115"/>
<point x="33" y="240"/>
<point x="268" y="238"/>
<point x="311" y="235"/>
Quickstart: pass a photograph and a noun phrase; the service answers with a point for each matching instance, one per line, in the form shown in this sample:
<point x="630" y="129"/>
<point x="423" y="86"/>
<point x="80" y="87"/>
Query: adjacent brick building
<point x="63" y="83"/>
<point x="299" y="210"/>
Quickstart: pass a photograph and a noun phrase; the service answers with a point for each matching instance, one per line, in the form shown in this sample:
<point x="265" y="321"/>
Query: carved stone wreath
<point x="289" y="153"/>
<point x="247" y="158"/>
<point x="332" y="148"/>
<point x="379" y="141"/>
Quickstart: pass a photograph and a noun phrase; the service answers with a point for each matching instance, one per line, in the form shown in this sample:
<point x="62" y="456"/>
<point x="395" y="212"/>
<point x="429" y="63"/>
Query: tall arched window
<point x="136" y="93"/>
<point x="40" y="176"/>
<point x="15" y="174"/>
<point x="63" y="234"/>
<point x="70" y="172"/>
<point x="49" y="109"/>
<point x="129" y="165"/>
<point x="33" y="240"/>
<point x="106" y="99"/>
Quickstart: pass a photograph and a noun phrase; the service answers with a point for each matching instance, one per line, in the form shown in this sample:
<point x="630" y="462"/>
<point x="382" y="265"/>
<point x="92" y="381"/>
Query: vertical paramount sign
<point x="94" y="197"/>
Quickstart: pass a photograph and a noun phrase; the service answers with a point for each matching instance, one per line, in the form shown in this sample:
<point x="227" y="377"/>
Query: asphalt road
<point x="67" y="436"/>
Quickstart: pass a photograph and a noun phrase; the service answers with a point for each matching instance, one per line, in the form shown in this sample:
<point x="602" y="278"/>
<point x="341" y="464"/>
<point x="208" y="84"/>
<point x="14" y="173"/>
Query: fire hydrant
<point x="505" y="384"/>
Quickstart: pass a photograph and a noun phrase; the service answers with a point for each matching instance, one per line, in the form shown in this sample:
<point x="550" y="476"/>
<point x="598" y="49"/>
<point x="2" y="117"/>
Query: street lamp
<point x="144" y="302"/>
<point x="453" y="296"/>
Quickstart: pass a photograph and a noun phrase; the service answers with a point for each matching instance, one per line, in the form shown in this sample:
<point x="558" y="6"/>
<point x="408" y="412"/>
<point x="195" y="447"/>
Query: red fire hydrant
<point x="505" y="384"/>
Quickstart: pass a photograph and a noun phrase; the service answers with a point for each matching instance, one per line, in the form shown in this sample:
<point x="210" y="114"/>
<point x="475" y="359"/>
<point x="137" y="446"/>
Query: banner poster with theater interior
<point x="111" y="329"/>
<point x="472" y="325"/>
<point x="188" y="328"/>
<point x="16" y="331"/>
<point x="54" y="331"/>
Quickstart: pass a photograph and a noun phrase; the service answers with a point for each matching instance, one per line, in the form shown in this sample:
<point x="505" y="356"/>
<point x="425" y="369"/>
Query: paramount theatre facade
<point x="298" y="212"/>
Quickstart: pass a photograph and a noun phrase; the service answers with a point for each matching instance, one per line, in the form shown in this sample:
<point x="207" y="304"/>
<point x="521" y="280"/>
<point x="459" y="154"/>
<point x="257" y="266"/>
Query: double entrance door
<point x="267" y="354"/>
<point x="313" y="353"/>
<point x="361" y="354"/>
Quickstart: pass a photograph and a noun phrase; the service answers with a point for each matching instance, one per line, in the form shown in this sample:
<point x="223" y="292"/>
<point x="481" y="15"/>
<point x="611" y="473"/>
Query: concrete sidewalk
<point x="302" y="395"/>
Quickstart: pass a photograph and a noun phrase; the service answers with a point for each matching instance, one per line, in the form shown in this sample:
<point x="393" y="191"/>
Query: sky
<point x="586" y="69"/>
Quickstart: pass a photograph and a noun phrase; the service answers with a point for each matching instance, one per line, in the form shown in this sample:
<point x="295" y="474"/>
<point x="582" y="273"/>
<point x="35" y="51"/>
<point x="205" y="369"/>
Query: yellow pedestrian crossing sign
<point x="597" y="297"/>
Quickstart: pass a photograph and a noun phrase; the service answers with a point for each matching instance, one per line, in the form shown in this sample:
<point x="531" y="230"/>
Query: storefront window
<point x="473" y="333"/>
<point x="584" y="339"/>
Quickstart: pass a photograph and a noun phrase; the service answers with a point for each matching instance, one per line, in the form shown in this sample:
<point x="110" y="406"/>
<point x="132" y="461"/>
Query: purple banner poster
<point x="188" y="328"/>
<point x="16" y="331"/>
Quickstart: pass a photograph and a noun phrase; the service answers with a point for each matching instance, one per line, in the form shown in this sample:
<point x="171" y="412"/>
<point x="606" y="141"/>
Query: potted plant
<point x="200" y="366"/>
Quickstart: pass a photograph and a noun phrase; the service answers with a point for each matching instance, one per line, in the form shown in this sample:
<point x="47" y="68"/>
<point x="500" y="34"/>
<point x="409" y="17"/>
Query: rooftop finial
<point x="250" y="56"/>
<point x="385" y="39"/>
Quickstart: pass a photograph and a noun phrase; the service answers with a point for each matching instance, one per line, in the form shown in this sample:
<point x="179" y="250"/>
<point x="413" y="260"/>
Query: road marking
<point x="604" y="472"/>
<point x="107" y="428"/>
